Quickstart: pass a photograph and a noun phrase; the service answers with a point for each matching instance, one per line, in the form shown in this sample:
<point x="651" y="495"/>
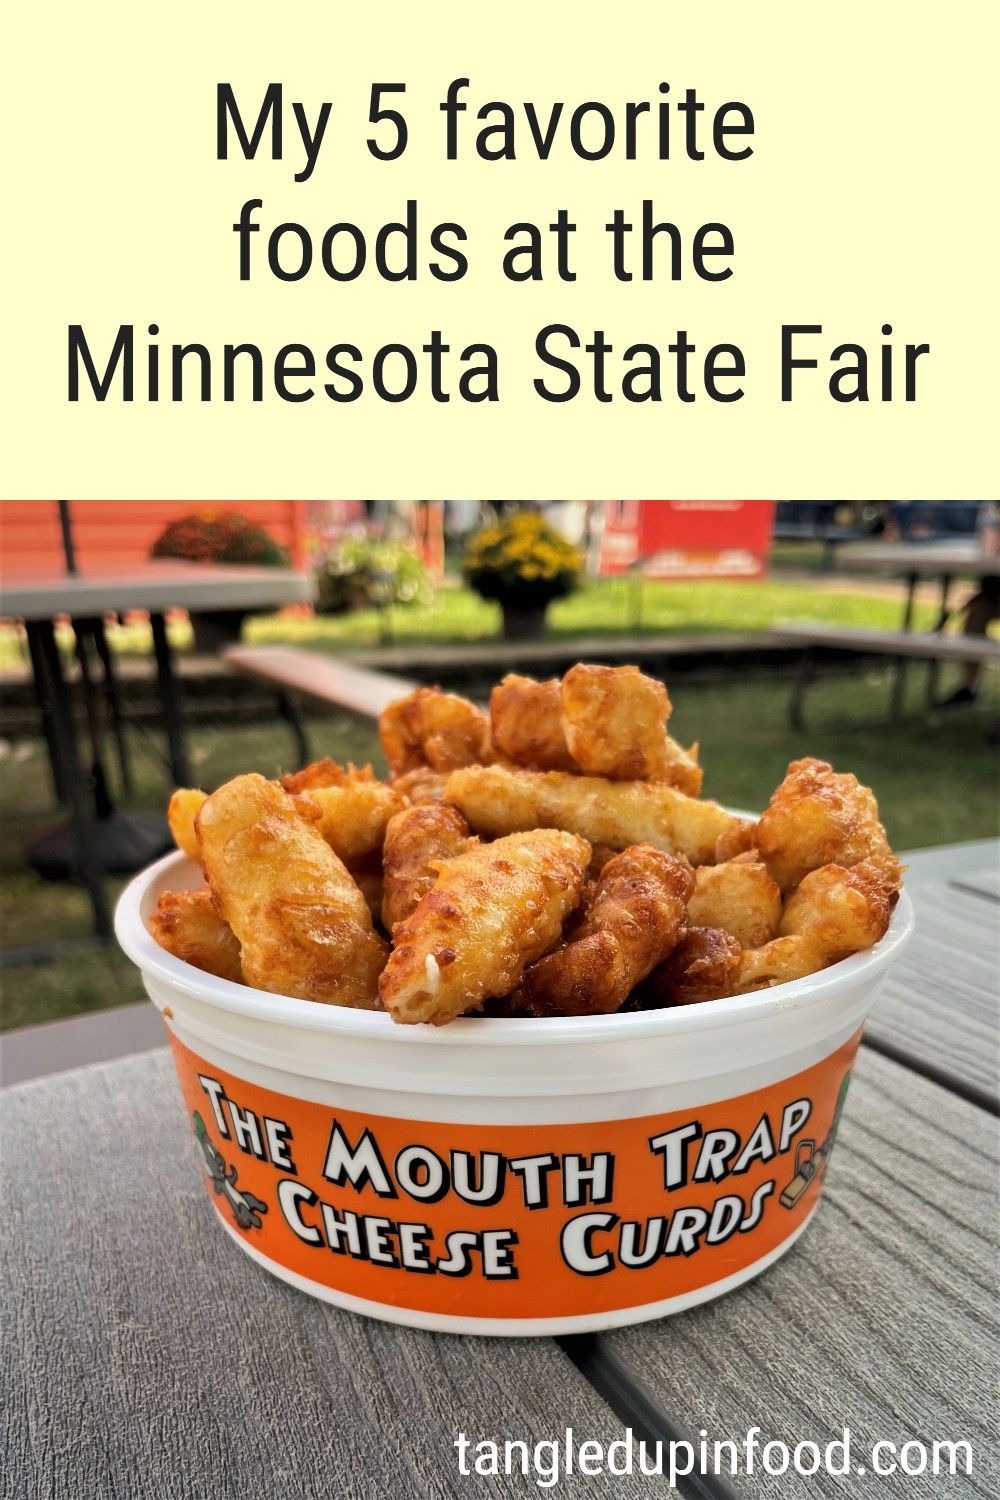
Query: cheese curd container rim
<point x="140" y="895"/>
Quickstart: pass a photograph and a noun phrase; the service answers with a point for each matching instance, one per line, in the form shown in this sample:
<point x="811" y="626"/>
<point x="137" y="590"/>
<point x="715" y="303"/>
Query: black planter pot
<point x="523" y="622"/>
<point x="217" y="628"/>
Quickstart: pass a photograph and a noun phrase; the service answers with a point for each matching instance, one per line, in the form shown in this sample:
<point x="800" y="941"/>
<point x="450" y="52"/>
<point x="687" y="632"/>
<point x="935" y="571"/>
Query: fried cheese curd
<point x="615" y="718"/>
<point x="493" y="910"/>
<point x="632" y="921"/>
<point x="353" y="818"/>
<point x="603" y="721"/>
<point x="833" y="913"/>
<point x="526" y="723"/>
<point x="739" y="897"/>
<point x="354" y="806"/>
<point x="435" y="729"/>
<point x="325" y="772"/>
<point x="416" y="841"/>
<point x="353" y="811"/>
<point x="818" y="816"/>
<point x="554" y="858"/>
<point x="189" y="925"/>
<point x="182" y="809"/>
<point x="421" y="785"/>
<point x="303" y="926"/>
<point x="496" y="801"/>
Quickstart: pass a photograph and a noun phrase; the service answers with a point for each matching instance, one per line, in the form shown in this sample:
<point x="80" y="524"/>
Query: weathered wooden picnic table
<point x="940" y="562"/>
<point x="98" y="838"/>
<point x="144" y="1356"/>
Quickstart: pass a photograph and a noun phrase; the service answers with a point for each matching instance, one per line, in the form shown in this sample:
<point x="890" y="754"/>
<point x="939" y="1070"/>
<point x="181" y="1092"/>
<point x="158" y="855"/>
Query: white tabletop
<point x="154" y="586"/>
<point x="936" y="559"/>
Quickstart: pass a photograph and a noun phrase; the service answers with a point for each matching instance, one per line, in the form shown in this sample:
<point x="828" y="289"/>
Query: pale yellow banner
<point x="869" y="199"/>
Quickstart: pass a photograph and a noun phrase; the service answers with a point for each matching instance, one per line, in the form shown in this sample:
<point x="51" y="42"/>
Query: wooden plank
<point x="883" y="1318"/>
<point x="56" y="1046"/>
<point x="404" y="657"/>
<point x="146" y="1356"/>
<point x="317" y="676"/>
<point x="940" y="1007"/>
<point x="919" y="644"/>
<point x="156" y="586"/>
<point x="963" y="557"/>
<point x="943" y="862"/>
<point x="980" y="883"/>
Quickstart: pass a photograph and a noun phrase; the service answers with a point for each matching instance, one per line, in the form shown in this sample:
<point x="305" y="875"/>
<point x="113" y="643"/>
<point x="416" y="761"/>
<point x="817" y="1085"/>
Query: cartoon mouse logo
<point x="810" y="1162"/>
<point x="246" y="1208"/>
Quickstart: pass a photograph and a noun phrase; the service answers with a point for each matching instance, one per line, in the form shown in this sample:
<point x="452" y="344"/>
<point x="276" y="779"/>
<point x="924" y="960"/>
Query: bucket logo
<point x="536" y="1220"/>
<point x="810" y="1164"/>
<point x="246" y="1208"/>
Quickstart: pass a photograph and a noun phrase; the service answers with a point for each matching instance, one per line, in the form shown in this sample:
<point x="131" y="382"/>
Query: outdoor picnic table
<point x="146" y="1356"/>
<point x="916" y="563"/>
<point x="87" y="598"/>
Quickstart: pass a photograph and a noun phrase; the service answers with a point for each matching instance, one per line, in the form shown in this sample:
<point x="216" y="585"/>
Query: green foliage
<point x="219" y="536"/>
<point x="522" y="561"/>
<point x="608" y="606"/>
<point x="366" y="573"/>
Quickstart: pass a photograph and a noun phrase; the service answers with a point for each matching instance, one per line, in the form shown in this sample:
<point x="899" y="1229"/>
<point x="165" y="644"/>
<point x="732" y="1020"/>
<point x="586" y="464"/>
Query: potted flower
<point x="362" y="572"/>
<point x="523" y="563"/>
<point x="214" y="536"/>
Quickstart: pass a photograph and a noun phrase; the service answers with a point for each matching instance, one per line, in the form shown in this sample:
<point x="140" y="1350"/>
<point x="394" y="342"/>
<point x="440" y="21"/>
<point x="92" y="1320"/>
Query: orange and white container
<point x="510" y="1176"/>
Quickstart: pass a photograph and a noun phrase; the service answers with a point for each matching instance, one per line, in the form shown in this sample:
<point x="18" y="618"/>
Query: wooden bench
<point x="928" y="646"/>
<point x="552" y="655"/>
<point x="310" y="674"/>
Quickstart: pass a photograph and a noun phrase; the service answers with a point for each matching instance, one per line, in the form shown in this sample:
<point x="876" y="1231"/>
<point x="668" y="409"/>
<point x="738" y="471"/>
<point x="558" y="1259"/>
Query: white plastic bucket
<point x="510" y="1176"/>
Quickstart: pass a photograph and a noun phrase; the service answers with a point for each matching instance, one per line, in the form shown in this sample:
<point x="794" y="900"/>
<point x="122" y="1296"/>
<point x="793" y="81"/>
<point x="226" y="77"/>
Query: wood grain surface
<point x="980" y="883"/>
<point x="883" y="1318"/>
<point x="145" y="1356"/>
<point x="940" y="1008"/>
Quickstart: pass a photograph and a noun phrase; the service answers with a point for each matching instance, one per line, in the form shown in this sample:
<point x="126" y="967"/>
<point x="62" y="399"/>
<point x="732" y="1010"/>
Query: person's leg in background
<point x="982" y="609"/>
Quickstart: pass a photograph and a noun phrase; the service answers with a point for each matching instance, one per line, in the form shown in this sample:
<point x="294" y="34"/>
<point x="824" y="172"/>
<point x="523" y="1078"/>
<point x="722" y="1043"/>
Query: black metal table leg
<point x="933" y="665"/>
<point x="46" y="709"/>
<point x="71" y="775"/>
<point x="288" y="711"/>
<point x="829" y="554"/>
<point x="804" y="677"/>
<point x="98" y="837"/>
<point x="115" y="706"/>
<point x="899" y="682"/>
<point x="98" y="784"/>
<point x="170" y="698"/>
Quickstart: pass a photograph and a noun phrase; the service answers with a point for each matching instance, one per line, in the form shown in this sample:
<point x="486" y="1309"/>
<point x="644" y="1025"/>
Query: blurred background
<point x="860" y="633"/>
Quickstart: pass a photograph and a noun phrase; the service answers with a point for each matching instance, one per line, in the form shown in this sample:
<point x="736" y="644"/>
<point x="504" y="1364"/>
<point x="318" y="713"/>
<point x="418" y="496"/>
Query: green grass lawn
<point x="936" y="783"/>
<point x="605" y="606"/>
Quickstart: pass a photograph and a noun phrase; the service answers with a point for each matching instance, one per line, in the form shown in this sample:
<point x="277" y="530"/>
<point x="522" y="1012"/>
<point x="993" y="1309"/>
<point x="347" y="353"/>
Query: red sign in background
<point x="687" y="538"/>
